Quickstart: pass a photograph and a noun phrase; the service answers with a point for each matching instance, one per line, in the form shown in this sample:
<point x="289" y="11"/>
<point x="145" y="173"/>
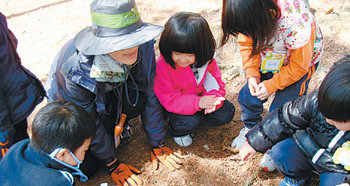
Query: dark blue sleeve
<point x="5" y="122"/>
<point x="152" y="115"/>
<point x="102" y="145"/>
<point x="62" y="84"/>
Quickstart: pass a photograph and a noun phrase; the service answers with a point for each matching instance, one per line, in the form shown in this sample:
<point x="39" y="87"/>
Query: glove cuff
<point x="157" y="147"/>
<point x="114" y="166"/>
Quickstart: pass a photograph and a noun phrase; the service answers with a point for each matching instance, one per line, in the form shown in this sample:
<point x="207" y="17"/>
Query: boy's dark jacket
<point x="301" y="120"/>
<point x="22" y="165"/>
<point x="20" y="90"/>
<point x="69" y="79"/>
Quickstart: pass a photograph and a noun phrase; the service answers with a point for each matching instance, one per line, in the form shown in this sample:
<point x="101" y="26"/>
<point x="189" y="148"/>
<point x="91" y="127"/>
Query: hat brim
<point x="89" y="44"/>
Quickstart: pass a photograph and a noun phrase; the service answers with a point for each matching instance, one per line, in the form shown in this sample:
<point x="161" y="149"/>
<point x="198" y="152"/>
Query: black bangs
<point x="187" y="32"/>
<point x="334" y="93"/>
<point x="182" y="39"/>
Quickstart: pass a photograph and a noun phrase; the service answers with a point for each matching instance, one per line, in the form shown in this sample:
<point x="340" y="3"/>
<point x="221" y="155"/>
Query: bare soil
<point x="43" y="26"/>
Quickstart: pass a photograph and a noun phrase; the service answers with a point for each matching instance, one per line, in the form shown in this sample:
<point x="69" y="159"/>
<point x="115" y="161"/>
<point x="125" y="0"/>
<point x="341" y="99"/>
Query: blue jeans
<point x="181" y="125"/>
<point x="291" y="162"/>
<point x="252" y="107"/>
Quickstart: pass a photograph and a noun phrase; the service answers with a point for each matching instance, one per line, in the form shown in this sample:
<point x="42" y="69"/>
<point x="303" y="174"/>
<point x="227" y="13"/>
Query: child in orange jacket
<point x="280" y="44"/>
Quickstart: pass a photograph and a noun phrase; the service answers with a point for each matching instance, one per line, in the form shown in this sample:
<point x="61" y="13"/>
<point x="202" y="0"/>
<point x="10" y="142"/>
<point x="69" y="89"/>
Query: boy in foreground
<point x="61" y="133"/>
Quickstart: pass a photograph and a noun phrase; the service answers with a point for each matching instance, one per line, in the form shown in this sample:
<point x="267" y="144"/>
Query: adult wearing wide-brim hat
<point x="108" y="69"/>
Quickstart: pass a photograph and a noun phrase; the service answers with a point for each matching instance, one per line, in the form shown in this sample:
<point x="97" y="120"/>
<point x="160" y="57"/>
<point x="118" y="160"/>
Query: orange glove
<point x="167" y="156"/>
<point x="3" y="149"/>
<point x="124" y="174"/>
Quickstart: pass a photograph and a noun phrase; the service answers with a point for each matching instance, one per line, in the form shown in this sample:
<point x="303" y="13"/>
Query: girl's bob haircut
<point x="257" y="19"/>
<point x="334" y="92"/>
<point x="187" y="32"/>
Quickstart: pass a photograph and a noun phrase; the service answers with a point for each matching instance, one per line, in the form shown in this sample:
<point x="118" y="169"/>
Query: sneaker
<point x="183" y="141"/>
<point x="266" y="163"/>
<point x="287" y="181"/>
<point x="240" y="140"/>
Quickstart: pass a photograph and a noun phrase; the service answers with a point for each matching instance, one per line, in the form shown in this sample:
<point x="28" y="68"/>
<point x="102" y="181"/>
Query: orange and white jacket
<point x="298" y="36"/>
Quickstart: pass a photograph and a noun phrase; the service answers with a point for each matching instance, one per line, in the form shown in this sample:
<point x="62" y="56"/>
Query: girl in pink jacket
<point x="188" y="81"/>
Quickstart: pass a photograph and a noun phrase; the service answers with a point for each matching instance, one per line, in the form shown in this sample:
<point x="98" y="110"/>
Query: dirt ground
<point x="42" y="27"/>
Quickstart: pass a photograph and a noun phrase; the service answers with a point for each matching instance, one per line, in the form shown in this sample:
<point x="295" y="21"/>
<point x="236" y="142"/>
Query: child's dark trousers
<point x="291" y="162"/>
<point x="181" y="125"/>
<point x="252" y="107"/>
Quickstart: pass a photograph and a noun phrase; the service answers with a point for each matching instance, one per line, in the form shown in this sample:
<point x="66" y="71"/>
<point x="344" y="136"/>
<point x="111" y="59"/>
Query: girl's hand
<point x="210" y="101"/>
<point x="246" y="152"/>
<point x="209" y="110"/>
<point x="253" y="85"/>
<point x="262" y="93"/>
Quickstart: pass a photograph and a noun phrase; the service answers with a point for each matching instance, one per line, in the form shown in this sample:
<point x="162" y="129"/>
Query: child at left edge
<point x="188" y="81"/>
<point x="61" y="134"/>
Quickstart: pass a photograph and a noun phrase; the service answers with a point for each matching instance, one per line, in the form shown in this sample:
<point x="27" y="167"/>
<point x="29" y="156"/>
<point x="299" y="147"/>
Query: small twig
<point x="234" y="150"/>
<point x="252" y="177"/>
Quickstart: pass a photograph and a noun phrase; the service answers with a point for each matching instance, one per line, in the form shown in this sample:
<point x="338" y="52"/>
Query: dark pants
<point x="20" y="131"/>
<point x="252" y="107"/>
<point x="128" y="109"/>
<point x="8" y="138"/>
<point x="90" y="163"/>
<point x="291" y="162"/>
<point x="180" y="125"/>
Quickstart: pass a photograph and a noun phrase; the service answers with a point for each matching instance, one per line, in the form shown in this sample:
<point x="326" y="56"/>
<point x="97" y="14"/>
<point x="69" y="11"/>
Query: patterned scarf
<point x="106" y="69"/>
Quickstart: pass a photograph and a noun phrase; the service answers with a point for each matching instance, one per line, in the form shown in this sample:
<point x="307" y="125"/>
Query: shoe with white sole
<point x="267" y="164"/>
<point x="183" y="141"/>
<point x="240" y="140"/>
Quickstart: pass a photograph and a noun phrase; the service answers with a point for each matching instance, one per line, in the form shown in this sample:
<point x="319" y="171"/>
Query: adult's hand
<point x="168" y="157"/>
<point x="125" y="174"/>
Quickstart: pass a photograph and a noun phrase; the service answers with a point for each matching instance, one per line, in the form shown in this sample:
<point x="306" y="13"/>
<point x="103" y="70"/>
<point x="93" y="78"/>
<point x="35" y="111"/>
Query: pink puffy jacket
<point x="179" y="92"/>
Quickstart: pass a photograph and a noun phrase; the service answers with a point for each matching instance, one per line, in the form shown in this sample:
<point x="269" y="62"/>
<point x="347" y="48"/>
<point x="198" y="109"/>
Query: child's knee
<point x="227" y="113"/>
<point x="224" y="114"/>
<point x="185" y="124"/>
<point x="245" y="98"/>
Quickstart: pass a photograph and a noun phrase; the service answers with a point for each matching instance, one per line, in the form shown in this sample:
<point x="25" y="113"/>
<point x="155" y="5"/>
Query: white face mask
<point x="78" y="172"/>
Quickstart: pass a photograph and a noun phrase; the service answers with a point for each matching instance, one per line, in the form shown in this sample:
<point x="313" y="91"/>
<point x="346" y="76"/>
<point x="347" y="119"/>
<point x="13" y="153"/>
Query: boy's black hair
<point x="256" y="19"/>
<point x="187" y="32"/>
<point x="334" y="92"/>
<point x="61" y="124"/>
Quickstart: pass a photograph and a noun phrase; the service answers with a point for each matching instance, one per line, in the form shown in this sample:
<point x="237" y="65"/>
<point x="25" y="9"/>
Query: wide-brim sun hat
<point x="116" y="25"/>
